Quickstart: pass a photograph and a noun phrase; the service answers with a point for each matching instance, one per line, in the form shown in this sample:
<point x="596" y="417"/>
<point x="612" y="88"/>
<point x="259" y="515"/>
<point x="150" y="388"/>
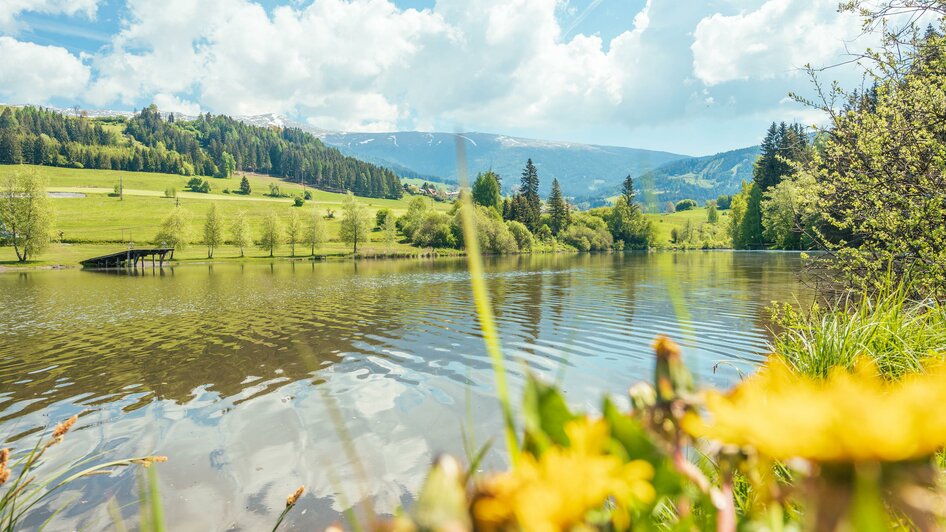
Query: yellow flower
<point x="557" y="490"/>
<point x="848" y="417"/>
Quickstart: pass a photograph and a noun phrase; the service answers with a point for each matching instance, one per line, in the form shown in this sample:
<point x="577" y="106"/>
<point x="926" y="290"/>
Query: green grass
<point x="667" y="222"/>
<point x="898" y="335"/>
<point x="99" y="218"/>
<point x="416" y="181"/>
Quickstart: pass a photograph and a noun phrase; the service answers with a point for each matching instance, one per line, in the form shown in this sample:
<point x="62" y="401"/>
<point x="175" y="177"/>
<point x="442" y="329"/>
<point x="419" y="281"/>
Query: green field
<point x="667" y="222"/>
<point x="99" y="223"/>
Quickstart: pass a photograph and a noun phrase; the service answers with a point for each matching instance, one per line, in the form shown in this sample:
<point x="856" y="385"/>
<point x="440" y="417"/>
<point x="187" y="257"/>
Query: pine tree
<point x="529" y="190"/>
<point x="11" y="152"/>
<point x="627" y="189"/>
<point x="486" y="190"/>
<point x="558" y="210"/>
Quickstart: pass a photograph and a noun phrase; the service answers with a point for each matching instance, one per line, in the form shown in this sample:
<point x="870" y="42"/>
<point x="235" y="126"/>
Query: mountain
<point x="702" y="178"/>
<point x="582" y="169"/>
<point x="588" y="173"/>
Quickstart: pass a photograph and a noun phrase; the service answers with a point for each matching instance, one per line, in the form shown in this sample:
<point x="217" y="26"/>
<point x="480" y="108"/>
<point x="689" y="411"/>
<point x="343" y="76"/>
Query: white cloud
<point x="30" y="73"/>
<point x="10" y="9"/>
<point x="172" y="104"/>
<point x="777" y="39"/>
<point x="507" y="65"/>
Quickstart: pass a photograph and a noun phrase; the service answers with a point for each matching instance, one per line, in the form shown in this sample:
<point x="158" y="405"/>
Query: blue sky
<point x="692" y="77"/>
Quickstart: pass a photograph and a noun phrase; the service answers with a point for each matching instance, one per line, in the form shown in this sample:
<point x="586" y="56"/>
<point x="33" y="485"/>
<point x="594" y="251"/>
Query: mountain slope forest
<point x="702" y="178"/>
<point x="208" y="145"/>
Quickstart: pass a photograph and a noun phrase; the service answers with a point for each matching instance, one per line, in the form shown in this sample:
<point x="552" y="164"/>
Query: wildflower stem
<point x="484" y="310"/>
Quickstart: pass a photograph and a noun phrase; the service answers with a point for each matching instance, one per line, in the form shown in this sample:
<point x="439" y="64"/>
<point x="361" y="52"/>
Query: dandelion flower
<point x="557" y="490"/>
<point x="848" y="417"/>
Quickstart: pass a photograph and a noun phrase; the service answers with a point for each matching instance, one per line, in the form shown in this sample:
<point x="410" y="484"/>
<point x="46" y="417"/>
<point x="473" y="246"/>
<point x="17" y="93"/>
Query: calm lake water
<point x="257" y="378"/>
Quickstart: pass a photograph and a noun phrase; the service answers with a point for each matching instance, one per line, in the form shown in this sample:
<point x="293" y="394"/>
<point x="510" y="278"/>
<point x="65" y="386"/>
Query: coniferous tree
<point x="530" y="210"/>
<point x="558" y="210"/>
<point x="627" y="189"/>
<point x="486" y="190"/>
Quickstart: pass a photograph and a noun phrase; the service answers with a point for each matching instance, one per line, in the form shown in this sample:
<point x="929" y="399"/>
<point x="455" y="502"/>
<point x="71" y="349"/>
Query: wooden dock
<point x="128" y="259"/>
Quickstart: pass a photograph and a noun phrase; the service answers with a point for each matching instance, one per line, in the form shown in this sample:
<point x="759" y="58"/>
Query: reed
<point x="898" y="334"/>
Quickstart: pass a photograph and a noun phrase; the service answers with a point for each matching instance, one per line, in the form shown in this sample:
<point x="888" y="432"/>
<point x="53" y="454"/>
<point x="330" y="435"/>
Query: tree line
<point x="212" y="146"/>
<point x="521" y="221"/>
<point x="871" y="188"/>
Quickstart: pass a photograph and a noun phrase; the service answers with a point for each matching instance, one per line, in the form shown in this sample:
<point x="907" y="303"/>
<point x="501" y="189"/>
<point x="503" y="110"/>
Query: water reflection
<point x="234" y="370"/>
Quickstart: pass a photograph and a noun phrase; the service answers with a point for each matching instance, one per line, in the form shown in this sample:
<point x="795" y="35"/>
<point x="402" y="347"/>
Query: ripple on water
<point x="240" y="373"/>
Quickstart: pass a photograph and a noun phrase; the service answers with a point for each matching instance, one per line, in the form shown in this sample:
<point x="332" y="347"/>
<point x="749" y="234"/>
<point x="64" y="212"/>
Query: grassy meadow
<point x="97" y="222"/>
<point x="667" y="222"/>
<point x="100" y="223"/>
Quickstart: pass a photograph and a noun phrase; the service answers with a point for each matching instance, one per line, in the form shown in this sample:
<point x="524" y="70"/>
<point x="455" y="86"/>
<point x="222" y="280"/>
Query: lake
<point x="345" y="377"/>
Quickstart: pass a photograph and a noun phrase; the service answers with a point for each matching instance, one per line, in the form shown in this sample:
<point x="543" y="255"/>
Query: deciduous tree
<point x="271" y="233"/>
<point x="240" y="231"/>
<point x="356" y="222"/>
<point x="213" y="230"/>
<point x="25" y="213"/>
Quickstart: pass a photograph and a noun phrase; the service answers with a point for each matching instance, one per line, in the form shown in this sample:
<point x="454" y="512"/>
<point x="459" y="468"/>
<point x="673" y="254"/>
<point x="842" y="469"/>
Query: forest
<point x="213" y="146"/>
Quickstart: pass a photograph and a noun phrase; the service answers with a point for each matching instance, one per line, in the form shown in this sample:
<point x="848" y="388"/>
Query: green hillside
<point x="701" y="178"/>
<point x="213" y="146"/>
<point x="93" y="221"/>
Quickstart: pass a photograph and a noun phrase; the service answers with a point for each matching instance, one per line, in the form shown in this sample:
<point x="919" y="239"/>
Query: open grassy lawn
<point x="99" y="218"/>
<point x="666" y="222"/>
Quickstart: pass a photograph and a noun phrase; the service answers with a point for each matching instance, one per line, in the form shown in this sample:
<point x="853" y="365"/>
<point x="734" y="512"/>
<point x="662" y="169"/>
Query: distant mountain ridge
<point x="586" y="171"/>
<point x="703" y="178"/>
<point x="582" y="169"/>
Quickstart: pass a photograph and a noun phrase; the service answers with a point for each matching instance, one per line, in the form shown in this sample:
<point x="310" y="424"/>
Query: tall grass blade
<point x="484" y="309"/>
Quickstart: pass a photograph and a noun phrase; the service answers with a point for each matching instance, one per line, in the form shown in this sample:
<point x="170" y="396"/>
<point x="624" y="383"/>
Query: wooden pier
<point x="128" y="259"/>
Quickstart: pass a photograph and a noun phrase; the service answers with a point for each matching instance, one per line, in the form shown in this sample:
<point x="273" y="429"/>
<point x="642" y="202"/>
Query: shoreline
<point x="334" y="256"/>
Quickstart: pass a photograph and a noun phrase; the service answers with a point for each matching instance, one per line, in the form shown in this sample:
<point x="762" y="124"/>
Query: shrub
<point x="588" y="233"/>
<point x="685" y="205"/>
<point x="521" y="233"/>
<point x="307" y="195"/>
<point x="410" y="221"/>
<point x="298" y="202"/>
<point x="494" y="236"/>
<point x="381" y="217"/>
<point x="170" y="192"/>
<point x="434" y="231"/>
<point x="197" y="184"/>
<point x="544" y="233"/>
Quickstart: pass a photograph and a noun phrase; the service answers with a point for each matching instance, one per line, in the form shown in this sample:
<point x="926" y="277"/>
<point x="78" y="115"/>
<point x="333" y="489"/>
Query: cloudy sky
<point x="686" y="76"/>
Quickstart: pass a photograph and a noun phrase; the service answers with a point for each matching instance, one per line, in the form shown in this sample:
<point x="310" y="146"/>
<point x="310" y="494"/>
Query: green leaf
<point x="545" y="415"/>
